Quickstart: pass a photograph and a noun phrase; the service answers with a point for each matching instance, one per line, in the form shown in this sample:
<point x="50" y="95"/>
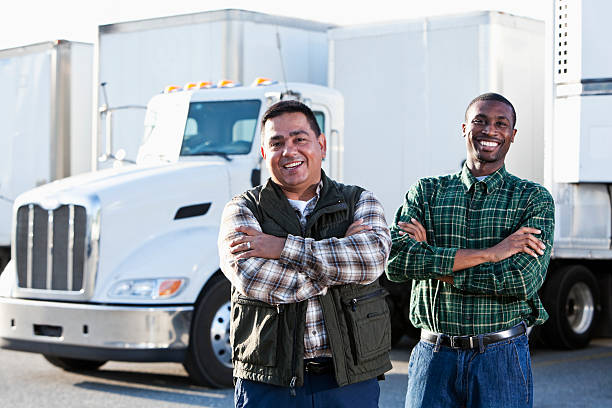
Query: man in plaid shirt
<point x="303" y="254"/>
<point x="476" y="246"/>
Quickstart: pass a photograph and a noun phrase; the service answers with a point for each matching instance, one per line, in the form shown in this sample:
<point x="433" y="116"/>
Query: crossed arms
<point x="289" y="270"/>
<point x="516" y="266"/>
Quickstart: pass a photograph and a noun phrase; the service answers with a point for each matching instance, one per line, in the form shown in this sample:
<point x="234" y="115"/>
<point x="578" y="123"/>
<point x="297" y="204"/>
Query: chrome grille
<point x="50" y="247"/>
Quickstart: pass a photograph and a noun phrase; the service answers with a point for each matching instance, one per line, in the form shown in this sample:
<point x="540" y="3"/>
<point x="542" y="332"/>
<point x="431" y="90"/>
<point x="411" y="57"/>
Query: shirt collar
<point x="492" y="182"/>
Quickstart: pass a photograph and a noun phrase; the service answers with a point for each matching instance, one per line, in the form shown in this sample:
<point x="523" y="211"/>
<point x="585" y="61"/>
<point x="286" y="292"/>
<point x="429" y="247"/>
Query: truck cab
<point x="122" y="263"/>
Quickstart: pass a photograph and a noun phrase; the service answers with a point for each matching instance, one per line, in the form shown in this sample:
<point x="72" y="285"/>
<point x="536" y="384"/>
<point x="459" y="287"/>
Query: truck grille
<point x="50" y="247"/>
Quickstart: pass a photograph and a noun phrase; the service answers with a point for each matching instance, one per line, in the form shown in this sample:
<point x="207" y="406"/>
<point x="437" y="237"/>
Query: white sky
<point x="25" y="22"/>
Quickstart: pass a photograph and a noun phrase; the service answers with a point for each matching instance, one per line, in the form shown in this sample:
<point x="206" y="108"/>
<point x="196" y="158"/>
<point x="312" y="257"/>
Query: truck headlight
<point x="148" y="288"/>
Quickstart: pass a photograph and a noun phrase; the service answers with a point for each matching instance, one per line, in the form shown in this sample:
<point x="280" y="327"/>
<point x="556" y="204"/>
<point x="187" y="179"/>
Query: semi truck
<point x="46" y="103"/>
<point x="122" y="264"/>
<point x="423" y="73"/>
<point x="137" y="59"/>
<point x="135" y="246"/>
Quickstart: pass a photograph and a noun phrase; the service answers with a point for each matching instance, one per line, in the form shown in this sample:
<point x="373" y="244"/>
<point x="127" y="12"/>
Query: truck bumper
<point x="95" y="332"/>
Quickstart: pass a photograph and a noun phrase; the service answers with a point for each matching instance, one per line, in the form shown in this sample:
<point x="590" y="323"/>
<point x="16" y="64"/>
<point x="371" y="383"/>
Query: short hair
<point x="291" y="106"/>
<point x="491" y="96"/>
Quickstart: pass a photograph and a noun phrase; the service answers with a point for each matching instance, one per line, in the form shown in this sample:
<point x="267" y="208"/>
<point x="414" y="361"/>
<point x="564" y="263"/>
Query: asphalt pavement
<point x="580" y="378"/>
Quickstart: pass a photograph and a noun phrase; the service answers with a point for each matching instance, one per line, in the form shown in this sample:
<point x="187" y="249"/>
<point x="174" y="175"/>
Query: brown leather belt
<point x="473" y="342"/>
<point x="319" y="366"/>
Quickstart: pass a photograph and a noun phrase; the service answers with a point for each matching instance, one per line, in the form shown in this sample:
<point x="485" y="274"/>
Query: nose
<point x="289" y="149"/>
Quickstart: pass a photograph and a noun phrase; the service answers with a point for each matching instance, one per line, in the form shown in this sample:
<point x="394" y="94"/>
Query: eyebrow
<point x="482" y="115"/>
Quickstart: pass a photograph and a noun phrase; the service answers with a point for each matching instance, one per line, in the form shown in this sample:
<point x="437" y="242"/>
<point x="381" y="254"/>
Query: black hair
<point x="491" y="96"/>
<point x="291" y="106"/>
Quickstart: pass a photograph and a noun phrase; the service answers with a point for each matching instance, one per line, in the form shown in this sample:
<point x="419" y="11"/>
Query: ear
<point x="463" y="129"/>
<point x="263" y="153"/>
<point x="513" y="134"/>
<point x="323" y="143"/>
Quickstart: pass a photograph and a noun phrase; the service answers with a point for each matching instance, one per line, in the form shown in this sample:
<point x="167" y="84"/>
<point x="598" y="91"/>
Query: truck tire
<point x="571" y="297"/>
<point x="209" y="356"/>
<point x="74" y="364"/>
<point x="5" y="257"/>
<point x="399" y="308"/>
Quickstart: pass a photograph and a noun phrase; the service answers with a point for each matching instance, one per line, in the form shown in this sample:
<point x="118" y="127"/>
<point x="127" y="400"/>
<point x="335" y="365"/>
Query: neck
<point x="480" y="168"/>
<point x="301" y="194"/>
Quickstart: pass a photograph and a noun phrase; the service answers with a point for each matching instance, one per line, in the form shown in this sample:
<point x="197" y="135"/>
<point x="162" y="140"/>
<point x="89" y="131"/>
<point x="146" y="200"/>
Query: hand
<point x="357" y="227"/>
<point x="522" y="240"/>
<point x="414" y="229"/>
<point x="256" y="244"/>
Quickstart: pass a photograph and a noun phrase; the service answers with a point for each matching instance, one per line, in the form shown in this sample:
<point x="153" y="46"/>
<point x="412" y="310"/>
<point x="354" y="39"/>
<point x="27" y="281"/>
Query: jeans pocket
<point x="520" y="348"/>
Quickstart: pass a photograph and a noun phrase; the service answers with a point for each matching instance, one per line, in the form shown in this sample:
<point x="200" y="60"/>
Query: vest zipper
<point x="353" y="302"/>
<point x="293" y="364"/>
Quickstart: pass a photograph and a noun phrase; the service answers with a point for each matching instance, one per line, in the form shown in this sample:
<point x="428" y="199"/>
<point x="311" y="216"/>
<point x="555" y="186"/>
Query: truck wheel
<point x="571" y="297"/>
<point x="209" y="357"/>
<point x="74" y="364"/>
<point x="5" y="257"/>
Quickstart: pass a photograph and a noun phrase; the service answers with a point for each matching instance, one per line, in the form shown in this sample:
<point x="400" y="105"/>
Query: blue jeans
<point x="319" y="391"/>
<point x="498" y="377"/>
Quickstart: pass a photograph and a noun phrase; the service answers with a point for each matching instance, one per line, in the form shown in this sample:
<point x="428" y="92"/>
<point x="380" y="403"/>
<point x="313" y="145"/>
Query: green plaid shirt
<point x="460" y="212"/>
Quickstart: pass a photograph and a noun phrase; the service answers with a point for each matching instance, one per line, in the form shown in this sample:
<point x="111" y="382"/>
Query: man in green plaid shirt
<point x="476" y="246"/>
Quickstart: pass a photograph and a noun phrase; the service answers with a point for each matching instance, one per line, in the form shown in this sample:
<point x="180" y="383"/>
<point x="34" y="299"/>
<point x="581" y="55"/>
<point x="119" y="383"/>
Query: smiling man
<point x="476" y="246"/>
<point x="310" y="325"/>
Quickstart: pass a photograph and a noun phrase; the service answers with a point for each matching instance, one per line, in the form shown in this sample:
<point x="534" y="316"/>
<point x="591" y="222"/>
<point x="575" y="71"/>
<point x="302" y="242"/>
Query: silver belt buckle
<point x="452" y="341"/>
<point x="471" y="342"/>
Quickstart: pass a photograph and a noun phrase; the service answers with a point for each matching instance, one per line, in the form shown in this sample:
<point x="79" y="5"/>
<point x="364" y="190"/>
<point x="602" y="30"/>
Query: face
<point x="293" y="154"/>
<point x="488" y="133"/>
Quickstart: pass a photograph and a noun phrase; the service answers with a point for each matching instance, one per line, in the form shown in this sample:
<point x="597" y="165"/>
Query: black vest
<point x="268" y="341"/>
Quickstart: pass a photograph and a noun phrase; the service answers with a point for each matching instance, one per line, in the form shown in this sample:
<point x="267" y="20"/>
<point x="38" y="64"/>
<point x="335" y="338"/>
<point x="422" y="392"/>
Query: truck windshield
<point x="220" y="127"/>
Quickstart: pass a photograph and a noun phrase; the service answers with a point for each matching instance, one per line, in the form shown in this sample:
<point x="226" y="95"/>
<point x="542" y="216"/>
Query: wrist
<point x="488" y="255"/>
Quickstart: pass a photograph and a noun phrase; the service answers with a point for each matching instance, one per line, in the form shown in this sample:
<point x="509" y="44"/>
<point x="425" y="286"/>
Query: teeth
<point x="486" y="143"/>
<point x="292" y="165"/>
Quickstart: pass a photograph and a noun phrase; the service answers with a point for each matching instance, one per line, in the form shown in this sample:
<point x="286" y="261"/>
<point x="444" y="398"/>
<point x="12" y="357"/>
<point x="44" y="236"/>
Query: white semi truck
<point x="46" y="116"/>
<point x="122" y="264"/>
<point x="136" y="59"/>
<point x="423" y="73"/>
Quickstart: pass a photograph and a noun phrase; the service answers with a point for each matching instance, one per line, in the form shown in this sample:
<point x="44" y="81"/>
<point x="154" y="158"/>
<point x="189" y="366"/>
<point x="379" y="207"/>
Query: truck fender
<point x="186" y="253"/>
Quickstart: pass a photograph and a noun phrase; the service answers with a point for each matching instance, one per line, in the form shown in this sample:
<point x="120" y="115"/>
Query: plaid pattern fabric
<point x="306" y="267"/>
<point x="460" y="212"/>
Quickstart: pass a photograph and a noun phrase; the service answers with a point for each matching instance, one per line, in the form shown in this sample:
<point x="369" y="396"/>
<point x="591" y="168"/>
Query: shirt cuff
<point x="445" y="260"/>
<point x="293" y="251"/>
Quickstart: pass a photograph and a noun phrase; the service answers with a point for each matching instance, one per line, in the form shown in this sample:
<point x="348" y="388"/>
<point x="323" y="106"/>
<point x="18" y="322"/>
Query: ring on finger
<point x="248" y="244"/>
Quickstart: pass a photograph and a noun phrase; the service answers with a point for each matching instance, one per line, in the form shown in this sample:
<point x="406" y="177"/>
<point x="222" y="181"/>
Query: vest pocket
<point x="254" y="332"/>
<point x="369" y="324"/>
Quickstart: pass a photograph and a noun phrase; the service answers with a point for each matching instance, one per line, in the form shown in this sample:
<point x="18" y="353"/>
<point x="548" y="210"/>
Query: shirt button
<point x="314" y="332"/>
<point x="468" y="317"/>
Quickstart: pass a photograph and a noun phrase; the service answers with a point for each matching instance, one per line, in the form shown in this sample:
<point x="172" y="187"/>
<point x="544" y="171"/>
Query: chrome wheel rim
<point x="580" y="307"/>
<point x="219" y="335"/>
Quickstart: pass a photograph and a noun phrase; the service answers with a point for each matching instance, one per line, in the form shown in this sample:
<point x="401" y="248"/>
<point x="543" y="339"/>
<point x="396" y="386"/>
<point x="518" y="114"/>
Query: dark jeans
<point x="319" y="391"/>
<point x="498" y="377"/>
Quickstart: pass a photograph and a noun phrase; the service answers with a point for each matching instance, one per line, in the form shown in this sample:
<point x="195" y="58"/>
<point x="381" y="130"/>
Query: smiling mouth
<point x="488" y="144"/>
<point x="292" y="165"/>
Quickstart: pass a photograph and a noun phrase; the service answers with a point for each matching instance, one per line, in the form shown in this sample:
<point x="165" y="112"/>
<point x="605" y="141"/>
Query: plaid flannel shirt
<point x="459" y="211"/>
<point x="306" y="267"/>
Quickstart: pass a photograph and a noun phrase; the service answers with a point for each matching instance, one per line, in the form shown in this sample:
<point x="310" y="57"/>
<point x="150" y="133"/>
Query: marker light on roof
<point x="172" y="88"/>
<point x="263" y="82"/>
<point x="226" y="83"/>
<point x="189" y="86"/>
<point x="206" y="85"/>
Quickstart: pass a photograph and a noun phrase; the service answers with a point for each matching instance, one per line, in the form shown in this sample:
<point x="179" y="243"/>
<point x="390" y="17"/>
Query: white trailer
<point x="406" y="86"/>
<point x="46" y="103"/>
<point x="139" y="58"/>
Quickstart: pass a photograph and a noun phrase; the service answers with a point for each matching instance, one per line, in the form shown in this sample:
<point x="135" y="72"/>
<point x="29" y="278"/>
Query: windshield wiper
<point x="220" y="154"/>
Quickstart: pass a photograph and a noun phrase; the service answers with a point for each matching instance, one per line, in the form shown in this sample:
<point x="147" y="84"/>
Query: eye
<point x="501" y="124"/>
<point x="477" y="121"/>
